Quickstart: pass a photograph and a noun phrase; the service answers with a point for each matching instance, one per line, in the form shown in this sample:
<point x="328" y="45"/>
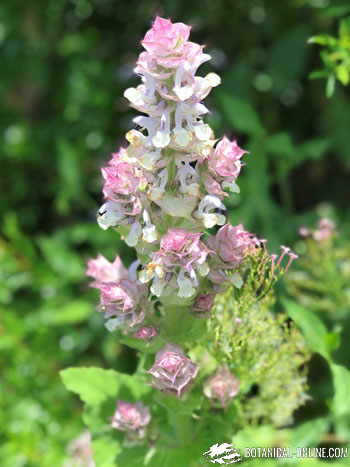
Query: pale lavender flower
<point x="131" y="418"/>
<point x="172" y="370"/>
<point x="222" y="386"/>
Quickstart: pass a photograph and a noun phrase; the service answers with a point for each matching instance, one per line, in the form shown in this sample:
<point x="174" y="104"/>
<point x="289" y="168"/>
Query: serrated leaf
<point x="95" y="385"/>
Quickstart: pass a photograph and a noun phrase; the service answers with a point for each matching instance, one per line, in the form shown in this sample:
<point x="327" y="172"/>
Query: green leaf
<point x="330" y="86"/>
<point x="241" y="114"/>
<point x="322" y="39"/>
<point x="341" y="381"/>
<point x="73" y="312"/>
<point x="62" y="259"/>
<point x="264" y="436"/>
<point x="311" y="326"/>
<point x="344" y="28"/>
<point x="310" y="433"/>
<point x="318" y="74"/>
<point x="70" y="173"/>
<point x="340" y="404"/>
<point x="133" y="456"/>
<point x="105" y="449"/>
<point x="281" y="145"/>
<point x="343" y="74"/>
<point x="95" y="385"/>
<point x="334" y="11"/>
<point x="314" y="148"/>
<point x="282" y="69"/>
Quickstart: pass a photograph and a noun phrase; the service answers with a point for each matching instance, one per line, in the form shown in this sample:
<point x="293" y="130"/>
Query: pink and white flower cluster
<point x="171" y="166"/>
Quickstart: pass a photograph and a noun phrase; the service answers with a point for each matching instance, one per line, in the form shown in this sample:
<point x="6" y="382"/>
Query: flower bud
<point x="131" y="418"/>
<point x="222" y="386"/>
<point x="172" y="370"/>
<point x="203" y="303"/>
<point x="146" y="333"/>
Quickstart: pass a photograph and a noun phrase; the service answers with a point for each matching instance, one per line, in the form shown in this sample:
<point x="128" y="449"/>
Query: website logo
<point x="223" y="453"/>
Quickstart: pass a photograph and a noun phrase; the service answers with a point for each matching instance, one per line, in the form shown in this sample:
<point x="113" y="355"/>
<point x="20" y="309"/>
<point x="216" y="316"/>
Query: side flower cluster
<point x="123" y="298"/>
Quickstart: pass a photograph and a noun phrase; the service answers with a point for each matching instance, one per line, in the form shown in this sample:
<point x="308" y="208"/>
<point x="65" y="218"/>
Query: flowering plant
<point x="196" y="301"/>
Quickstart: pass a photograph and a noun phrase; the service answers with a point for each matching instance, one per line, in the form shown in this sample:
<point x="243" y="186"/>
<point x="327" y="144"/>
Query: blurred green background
<point x="64" y="67"/>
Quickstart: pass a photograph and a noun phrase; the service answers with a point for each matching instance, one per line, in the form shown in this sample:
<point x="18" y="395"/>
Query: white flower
<point x="158" y="189"/>
<point x="148" y="159"/>
<point x="203" y="131"/>
<point x="185" y="284"/>
<point x="134" y="234"/>
<point x="208" y="204"/>
<point x="162" y="137"/>
<point x="109" y="215"/>
<point x="182" y="137"/>
<point x="157" y="286"/>
<point x="188" y="178"/>
<point x="149" y="232"/>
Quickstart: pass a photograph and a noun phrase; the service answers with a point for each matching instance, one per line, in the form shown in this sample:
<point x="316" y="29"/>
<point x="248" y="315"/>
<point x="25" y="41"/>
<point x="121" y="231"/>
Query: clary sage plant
<point x="196" y="304"/>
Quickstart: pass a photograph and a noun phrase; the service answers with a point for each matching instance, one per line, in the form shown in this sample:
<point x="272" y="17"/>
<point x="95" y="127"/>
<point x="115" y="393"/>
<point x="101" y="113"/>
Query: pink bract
<point x="176" y="239"/>
<point x="103" y="270"/>
<point x="225" y="160"/>
<point x="165" y="37"/>
<point x="232" y="243"/>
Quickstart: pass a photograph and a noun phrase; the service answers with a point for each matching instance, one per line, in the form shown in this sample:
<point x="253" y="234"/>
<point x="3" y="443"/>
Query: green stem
<point x="179" y="419"/>
<point x="182" y="426"/>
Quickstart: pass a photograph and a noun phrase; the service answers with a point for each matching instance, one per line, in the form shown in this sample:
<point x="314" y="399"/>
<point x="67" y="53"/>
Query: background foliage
<point x="64" y="66"/>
